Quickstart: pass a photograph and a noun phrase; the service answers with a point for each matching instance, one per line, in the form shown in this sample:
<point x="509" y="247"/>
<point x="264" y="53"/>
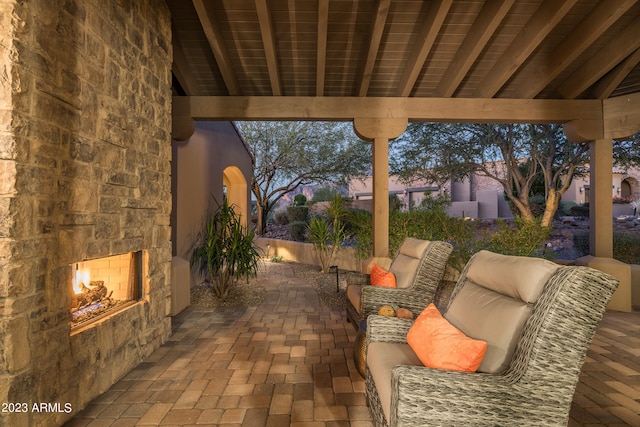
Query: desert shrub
<point x="327" y="234"/>
<point x="281" y="217"/>
<point x="564" y="208"/>
<point x="626" y="246"/>
<point x="537" y="203"/>
<point x="522" y="238"/>
<point x="420" y="224"/>
<point x="297" y="213"/>
<point x="395" y="204"/>
<point x="580" y="210"/>
<point x="438" y="201"/>
<point x="298" y="230"/>
<point x="299" y="200"/>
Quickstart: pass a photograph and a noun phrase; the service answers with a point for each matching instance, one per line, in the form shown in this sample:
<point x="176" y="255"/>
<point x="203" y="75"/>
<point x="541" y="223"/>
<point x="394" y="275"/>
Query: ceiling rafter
<point x="181" y="69"/>
<point x="476" y="39"/>
<point x="269" y="44"/>
<point x="321" y="54"/>
<point x="534" y="32"/>
<point x="293" y="31"/>
<point x="602" y="62"/>
<point x="377" y="28"/>
<point x="601" y="17"/>
<point x="216" y="42"/>
<point x="430" y="29"/>
<point x="608" y="84"/>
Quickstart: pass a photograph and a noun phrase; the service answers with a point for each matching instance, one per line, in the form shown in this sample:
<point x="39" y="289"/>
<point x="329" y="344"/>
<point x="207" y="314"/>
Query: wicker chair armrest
<point x="419" y="396"/>
<point x="374" y="297"/>
<point x="387" y="329"/>
<point x="357" y="279"/>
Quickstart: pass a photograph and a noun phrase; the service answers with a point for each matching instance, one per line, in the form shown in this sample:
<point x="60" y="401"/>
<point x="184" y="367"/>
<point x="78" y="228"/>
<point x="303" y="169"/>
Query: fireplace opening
<point x="103" y="286"/>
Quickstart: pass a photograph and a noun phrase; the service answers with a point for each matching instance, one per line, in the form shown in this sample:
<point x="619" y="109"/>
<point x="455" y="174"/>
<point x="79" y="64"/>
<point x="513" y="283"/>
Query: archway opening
<point x="235" y="192"/>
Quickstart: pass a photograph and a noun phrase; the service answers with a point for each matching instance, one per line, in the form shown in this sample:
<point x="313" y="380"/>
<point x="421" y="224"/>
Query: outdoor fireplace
<point x="104" y="286"/>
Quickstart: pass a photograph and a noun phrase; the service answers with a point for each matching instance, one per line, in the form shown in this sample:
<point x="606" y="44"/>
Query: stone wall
<point x="85" y="119"/>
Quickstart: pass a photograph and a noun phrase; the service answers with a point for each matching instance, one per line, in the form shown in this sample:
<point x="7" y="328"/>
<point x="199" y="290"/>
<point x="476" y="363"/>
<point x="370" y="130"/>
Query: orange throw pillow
<point x="440" y="345"/>
<point x="381" y="277"/>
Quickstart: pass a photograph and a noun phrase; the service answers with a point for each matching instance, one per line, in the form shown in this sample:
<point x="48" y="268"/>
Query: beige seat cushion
<point x="496" y="301"/>
<point x="381" y="359"/>
<point x="354" y="295"/>
<point x="405" y="265"/>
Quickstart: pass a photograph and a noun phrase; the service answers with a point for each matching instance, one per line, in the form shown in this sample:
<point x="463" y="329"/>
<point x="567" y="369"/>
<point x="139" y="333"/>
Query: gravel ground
<point x="251" y="293"/>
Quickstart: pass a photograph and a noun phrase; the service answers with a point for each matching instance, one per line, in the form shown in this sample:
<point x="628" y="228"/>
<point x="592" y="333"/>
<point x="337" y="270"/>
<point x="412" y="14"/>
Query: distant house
<point x="482" y="197"/>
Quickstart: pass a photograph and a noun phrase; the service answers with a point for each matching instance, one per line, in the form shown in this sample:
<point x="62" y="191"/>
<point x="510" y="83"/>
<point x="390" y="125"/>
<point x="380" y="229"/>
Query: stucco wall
<point x="199" y="163"/>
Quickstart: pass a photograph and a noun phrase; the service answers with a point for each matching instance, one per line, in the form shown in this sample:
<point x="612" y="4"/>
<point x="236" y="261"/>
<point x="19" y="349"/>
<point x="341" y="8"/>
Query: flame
<point x="81" y="277"/>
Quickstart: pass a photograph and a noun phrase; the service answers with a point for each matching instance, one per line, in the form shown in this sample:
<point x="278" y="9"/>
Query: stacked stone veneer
<point x="85" y="119"/>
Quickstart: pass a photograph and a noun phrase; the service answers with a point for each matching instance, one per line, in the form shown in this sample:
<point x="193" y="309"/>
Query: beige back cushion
<point x="496" y="301"/>
<point x="405" y="265"/>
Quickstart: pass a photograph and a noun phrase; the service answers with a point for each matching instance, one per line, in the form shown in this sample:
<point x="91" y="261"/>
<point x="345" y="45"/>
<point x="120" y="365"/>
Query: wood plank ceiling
<point x="511" y="49"/>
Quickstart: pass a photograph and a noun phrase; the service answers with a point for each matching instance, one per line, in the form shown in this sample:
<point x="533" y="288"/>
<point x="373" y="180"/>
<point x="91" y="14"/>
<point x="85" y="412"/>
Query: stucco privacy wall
<point x="85" y="151"/>
<point x="199" y="164"/>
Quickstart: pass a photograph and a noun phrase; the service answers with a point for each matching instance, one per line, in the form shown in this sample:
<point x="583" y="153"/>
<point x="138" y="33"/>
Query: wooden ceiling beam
<point x="533" y="33"/>
<point x="269" y="44"/>
<point x="321" y="54"/>
<point x="216" y="42"/>
<point x="476" y="39"/>
<point x="601" y="17"/>
<point x="608" y="84"/>
<point x="452" y="110"/>
<point x="375" y="36"/>
<point x="430" y="29"/>
<point x="606" y="59"/>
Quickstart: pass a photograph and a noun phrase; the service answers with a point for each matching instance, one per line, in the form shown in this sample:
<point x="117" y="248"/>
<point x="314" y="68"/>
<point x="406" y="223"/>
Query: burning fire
<point x="80" y="279"/>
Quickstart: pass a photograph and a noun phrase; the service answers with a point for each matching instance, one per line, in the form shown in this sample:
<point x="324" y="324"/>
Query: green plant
<point x="297" y="213"/>
<point x="299" y="200"/>
<point x="281" y="217"/>
<point x="626" y="246"/>
<point x="224" y="251"/>
<point x="522" y="238"/>
<point x="297" y="230"/>
<point x="580" y="211"/>
<point x="326" y="235"/>
<point x="277" y="258"/>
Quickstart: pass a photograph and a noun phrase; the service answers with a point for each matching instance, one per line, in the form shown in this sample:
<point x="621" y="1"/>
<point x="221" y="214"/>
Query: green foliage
<point x="224" y="251"/>
<point x="626" y="246"/>
<point x="580" y="211"/>
<point x="293" y="153"/>
<point x="326" y="235"/>
<point x="299" y="200"/>
<point x="522" y="238"/>
<point x="395" y="204"/>
<point x="431" y="202"/>
<point x="564" y="208"/>
<point x="297" y="213"/>
<point x="298" y="230"/>
<point x="433" y="224"/>
<point x="324" y="194"/>
<point x="281" y="217"/>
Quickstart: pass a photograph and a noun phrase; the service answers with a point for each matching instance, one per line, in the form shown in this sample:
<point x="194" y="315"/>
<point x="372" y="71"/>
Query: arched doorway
<point x="236" y="191"/>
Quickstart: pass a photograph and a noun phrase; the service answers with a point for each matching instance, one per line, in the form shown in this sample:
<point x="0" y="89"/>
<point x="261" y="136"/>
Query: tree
<point x="515" y="155"/>
<point x="290" y="154"/>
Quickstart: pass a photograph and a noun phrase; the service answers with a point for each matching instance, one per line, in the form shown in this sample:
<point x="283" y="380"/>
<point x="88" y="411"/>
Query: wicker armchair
<point x="419" y="267"/>
<point x="536" y="387"/>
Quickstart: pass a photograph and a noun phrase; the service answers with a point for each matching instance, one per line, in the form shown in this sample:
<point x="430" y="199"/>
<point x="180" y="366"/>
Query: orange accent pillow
<point x="440" y="345"/>
<point x="381" y="277"/>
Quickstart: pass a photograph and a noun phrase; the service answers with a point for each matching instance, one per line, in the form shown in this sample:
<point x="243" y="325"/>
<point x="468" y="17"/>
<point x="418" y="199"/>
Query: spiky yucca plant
<point x="224" y="252"/>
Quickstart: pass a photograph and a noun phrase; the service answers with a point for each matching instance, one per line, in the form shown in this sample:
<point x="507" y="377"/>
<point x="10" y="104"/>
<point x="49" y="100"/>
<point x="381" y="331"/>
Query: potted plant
<point x="224" y="251"/>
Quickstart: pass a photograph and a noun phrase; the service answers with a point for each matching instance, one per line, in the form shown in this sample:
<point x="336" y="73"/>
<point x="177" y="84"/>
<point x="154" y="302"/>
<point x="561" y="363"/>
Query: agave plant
<point x="224" y="251"/>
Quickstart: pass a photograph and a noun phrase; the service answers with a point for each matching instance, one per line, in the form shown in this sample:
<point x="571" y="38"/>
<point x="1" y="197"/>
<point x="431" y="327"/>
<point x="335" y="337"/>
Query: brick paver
<point x="289" y="362"/>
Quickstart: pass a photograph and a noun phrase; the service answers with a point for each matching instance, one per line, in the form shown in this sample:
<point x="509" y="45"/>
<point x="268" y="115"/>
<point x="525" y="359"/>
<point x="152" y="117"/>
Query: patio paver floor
<point x="289" y="362"/>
